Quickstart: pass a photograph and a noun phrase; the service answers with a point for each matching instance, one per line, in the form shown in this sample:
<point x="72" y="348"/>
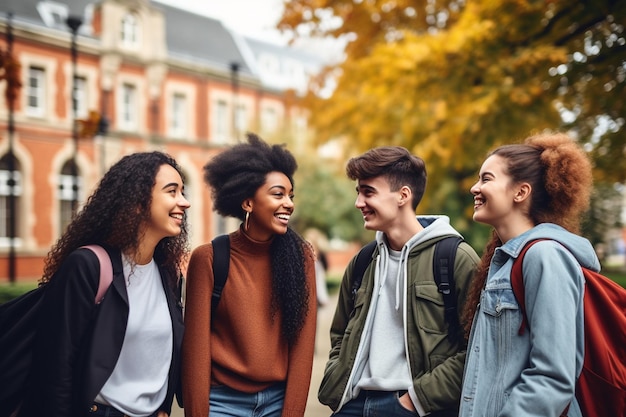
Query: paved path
<point x="322" y="346"/>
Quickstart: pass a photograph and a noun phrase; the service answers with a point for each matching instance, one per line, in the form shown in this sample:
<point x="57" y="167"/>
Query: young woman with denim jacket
<point x="538" y="189"/>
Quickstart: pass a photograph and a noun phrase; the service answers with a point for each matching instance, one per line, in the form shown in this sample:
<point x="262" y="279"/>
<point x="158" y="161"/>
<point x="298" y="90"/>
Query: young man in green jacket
<point x="391" y="351"/>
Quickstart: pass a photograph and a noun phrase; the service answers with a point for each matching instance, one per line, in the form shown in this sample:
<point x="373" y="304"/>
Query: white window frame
<point x="36" y="91"/>
<point x="79" y="97"/>
<point x="65" y="196"/>
<point x="128" y="113"/>
<point x="221" y="121"/>
<point x="269" y="120"/>
<point x="129" y="31"/>
<point x="241" y="119"/>
<point x="5" y="191"/>
<point x="53" y="14"/>
<point x="178" y="115"/>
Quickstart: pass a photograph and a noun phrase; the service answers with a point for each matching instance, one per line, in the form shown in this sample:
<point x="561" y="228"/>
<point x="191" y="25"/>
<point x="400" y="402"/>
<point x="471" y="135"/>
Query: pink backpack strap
<point x="106" y="270"/>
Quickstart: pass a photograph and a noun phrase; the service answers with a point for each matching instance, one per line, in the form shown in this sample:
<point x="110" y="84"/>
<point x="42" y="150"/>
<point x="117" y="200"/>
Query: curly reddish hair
<point x="560" y="174"/>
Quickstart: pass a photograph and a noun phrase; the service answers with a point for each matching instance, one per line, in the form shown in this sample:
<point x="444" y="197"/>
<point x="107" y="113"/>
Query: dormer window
<point x="53" y="14"/>
<point x="130" y="31"/>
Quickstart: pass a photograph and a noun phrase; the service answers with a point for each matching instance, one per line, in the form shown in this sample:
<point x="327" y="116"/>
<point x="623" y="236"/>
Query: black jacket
<point x="78" y="342"/>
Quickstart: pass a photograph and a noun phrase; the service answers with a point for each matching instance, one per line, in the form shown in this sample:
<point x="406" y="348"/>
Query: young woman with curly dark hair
<point x="121" y="356"/>
<point x="535" y="190"/>
<point x="257" y="352"/>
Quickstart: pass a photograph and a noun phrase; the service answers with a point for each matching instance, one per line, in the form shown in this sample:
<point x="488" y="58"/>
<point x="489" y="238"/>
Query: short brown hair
<point x="396" y="164"/>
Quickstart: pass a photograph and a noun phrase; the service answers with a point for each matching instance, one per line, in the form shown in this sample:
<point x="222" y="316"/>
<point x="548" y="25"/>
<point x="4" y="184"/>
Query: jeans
<point x="375" y="404"/>
<point x="227" y="402"/>
<point x="101" y="410"/>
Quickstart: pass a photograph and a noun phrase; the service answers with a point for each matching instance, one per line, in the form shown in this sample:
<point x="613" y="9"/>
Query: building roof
<point x="201" y="37"/>
<point x="188" y="35"/>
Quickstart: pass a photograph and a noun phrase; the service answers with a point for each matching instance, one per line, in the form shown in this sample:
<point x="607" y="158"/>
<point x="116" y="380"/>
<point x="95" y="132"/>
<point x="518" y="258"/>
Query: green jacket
<point x="436" y="363"/>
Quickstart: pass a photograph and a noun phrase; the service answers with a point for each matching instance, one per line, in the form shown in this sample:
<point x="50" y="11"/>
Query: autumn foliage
<point x="450" y="80"/>
<point x="10" y="70"/>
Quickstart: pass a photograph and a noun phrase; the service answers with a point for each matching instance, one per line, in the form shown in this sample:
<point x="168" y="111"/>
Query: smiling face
<point x="168" y="205"/>
<point x="270" y="208"/>
<point x="378" y="204"/>
<point x="494" y="193"/>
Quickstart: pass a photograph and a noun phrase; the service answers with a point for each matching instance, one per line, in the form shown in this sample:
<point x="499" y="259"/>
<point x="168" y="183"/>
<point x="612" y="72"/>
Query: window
<point x="79" y="94"/>
<point x="35" y="92"/>
<point x="241" y="120"/>
<point x="220" y="122"/>
<point x="269" y="121"/>
<point x="130" y="31"/>
<point x="66" y="195"/>
<point x="53" y="14"/>
<point x="178" y="115"/>
<point x="128" y="116"/>
<point x="9" y="217"/>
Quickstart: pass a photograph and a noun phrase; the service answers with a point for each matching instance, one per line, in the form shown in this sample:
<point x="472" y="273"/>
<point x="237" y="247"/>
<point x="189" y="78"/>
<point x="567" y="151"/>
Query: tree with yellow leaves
<point x="452" y="79"/>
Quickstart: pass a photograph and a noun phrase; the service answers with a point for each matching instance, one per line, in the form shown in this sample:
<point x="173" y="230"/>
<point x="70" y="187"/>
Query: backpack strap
<point x="106" y="270"/>
<point x="363" y="259"/>
<point x="517" y="283"/>
<point x="221" y="264"/>
<point x="443" y="271"/>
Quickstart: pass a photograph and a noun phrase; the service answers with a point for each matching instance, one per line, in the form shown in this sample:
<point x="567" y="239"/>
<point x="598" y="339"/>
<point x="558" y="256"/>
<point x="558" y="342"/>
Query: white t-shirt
<point x="138" y="384"/>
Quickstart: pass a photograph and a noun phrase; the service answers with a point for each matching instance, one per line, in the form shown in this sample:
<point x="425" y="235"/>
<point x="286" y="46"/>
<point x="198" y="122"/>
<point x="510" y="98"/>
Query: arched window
<point x="10" y="193"/>
<point x="70" y="187"/>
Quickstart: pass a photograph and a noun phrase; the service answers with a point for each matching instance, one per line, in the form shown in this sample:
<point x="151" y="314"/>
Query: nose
<point x="288" y="202"/>
<point x="183" y="202"/>
<point x="359" y="202"/>
<point x="474" y="189"/>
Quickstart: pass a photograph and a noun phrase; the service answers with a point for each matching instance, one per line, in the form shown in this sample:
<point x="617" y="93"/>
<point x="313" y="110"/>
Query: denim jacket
<point x="532" y="374"/>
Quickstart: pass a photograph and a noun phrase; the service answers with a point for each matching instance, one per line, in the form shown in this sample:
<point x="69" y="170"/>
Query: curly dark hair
<point x="235" y="175"/>
<point x="116" y="211"/>
<point x="395" y="163"/>
<point x="560" y="175"/>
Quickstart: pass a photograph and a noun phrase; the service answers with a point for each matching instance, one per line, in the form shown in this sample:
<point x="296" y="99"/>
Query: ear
<point x="405" y="196"/>
<point x="523" y="192"/>
<point x="246" y="205"/>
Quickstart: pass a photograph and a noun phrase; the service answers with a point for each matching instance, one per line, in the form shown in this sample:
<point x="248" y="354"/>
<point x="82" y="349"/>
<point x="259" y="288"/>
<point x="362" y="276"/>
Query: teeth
<point x="177" y="216"/>
<point x="283" y="216"/>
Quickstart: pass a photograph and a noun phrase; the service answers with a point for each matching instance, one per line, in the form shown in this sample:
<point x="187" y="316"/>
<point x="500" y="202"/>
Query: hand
<point x="405" y="401"/>
<point x="162" y="414"/>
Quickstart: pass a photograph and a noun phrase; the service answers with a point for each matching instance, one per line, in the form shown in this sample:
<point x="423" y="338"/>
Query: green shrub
<point x="9" y="291"/>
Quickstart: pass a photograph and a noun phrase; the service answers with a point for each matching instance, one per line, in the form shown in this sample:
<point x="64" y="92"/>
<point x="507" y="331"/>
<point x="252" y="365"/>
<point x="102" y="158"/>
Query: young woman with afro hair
<point x="122" y="355"/>
<point x="535" y="190"/>
<point x="256" y="354"/>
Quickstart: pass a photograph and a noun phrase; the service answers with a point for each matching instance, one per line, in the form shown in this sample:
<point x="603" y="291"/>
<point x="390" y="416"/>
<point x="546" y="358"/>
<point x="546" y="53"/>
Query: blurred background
<point x="85" y="82"/>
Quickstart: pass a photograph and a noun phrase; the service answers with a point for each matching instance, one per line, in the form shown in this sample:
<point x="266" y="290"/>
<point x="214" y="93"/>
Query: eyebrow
<point x="171" y="184"/>
<point x="282" y="187"/>
<point x="364" y="187"/>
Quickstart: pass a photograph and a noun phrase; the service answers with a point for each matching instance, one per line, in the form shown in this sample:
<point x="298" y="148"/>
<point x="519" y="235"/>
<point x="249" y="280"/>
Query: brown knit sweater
<point x="245" y="349"/>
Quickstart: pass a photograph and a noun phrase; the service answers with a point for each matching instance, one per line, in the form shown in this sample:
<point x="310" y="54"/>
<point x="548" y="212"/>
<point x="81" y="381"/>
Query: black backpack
<point x="221" y="264"/>
<point x="18" y="326"/>
<point x="443" y="270"/>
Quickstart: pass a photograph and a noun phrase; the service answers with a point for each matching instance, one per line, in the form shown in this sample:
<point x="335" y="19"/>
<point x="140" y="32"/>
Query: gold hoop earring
<point x="246" y="224"/>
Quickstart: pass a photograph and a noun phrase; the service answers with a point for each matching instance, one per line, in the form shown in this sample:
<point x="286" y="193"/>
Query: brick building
<point x="162" y="78"/>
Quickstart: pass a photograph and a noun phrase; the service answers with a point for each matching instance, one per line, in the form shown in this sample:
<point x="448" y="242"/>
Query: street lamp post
<point x="234" y="73"/>
<point x="74" y="23"/>
<point x="11" y="160"/>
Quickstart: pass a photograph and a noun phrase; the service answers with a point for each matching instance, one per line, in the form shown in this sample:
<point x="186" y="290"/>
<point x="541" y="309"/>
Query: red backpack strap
<point x="517" y="283"/>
